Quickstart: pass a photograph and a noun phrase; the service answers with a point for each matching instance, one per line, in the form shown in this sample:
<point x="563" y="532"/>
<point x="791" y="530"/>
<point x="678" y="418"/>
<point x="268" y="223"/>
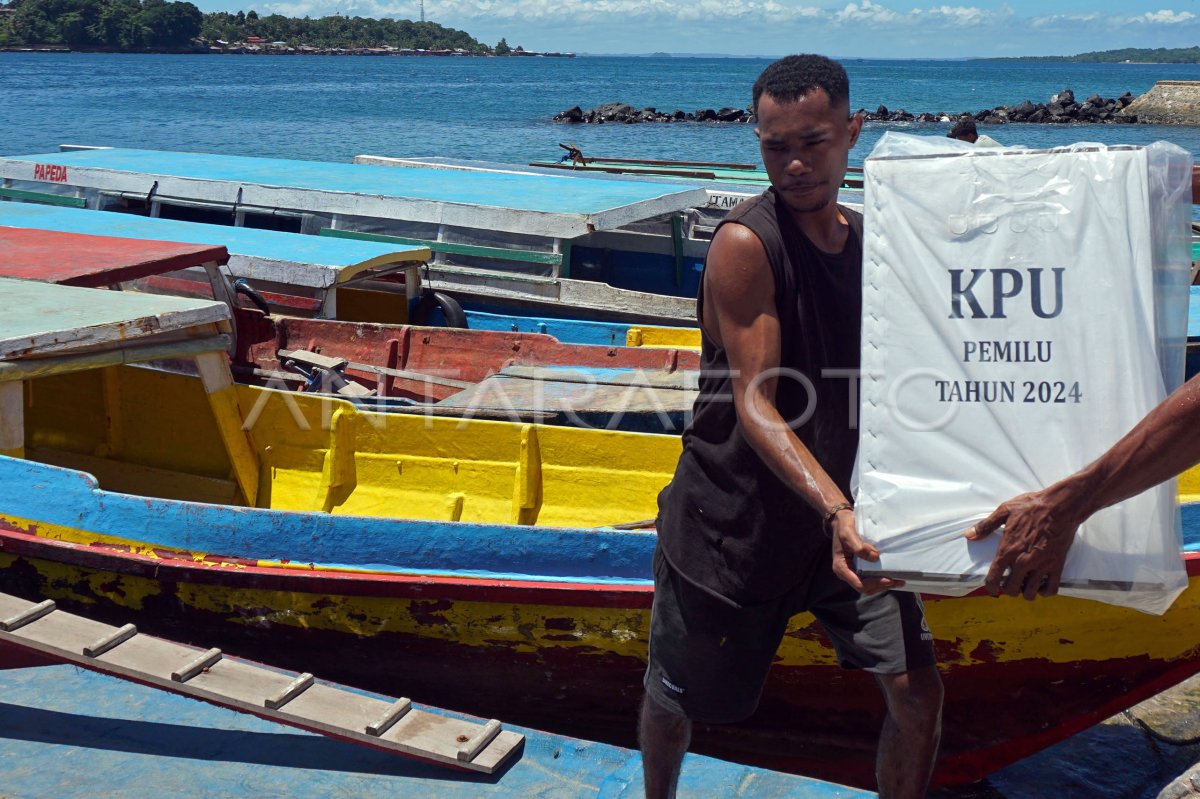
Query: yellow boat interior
<point x="157" y="433"/>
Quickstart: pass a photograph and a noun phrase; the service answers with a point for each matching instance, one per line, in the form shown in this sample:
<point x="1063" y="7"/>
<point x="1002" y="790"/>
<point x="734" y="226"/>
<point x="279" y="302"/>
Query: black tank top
<point x="726" y="522"/>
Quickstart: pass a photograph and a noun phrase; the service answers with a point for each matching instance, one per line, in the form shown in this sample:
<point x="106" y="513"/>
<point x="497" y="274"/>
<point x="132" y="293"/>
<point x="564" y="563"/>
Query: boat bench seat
<point x="133" y="478"/>
<point x="454" y="248"/>
<point x="42" y="197"/>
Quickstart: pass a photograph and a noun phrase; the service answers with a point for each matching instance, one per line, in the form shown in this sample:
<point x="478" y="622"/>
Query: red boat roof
<point x="73" y="259"/>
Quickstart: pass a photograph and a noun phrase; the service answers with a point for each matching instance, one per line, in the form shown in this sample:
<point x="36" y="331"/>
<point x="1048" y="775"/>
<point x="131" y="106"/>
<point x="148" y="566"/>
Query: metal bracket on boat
<point x="325" y="375"/>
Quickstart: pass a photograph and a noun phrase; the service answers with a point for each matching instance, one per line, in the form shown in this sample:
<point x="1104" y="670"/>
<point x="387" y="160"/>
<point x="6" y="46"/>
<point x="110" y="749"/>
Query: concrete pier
<point x="1170" y="102"/>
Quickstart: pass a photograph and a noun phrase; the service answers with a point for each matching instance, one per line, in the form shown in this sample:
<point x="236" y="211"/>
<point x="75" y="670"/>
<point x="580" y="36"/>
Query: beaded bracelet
<point x="834" y="511"/>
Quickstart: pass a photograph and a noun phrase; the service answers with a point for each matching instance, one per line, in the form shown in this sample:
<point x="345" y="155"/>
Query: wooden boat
<point x="303" y="275"/>
<point x="270" y="529"/>
<point x="614" y="251"/>
<point x="78" y="734"/>
<point x="739" y="174"/>
<point x="441" y="371"/>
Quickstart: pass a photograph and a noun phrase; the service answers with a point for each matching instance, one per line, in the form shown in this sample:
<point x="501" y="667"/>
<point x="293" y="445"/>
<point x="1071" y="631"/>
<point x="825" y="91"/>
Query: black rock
<point x="679" y="115"/>
<point x="1022" y="110"/>
<point x="615" y="111"/>
<point x="1039" y="115"/>
<point x="1125" y="99"/>
<point x="572" y="114"/>
<point x="881" y="112"/>
<point x="705" y="115"/>
<point x="1065" y="97"/>
<point x="1055" y="109"/>
<point x="729" y="114"/>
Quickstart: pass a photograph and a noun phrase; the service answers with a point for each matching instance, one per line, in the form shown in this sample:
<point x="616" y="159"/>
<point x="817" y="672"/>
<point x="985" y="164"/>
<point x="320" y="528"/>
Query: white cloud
<point x="1066" y="20"/>
<point x="964" y="16"/>
<point x="617" y="10"/>
<point x="866" y="12"/>
<point x="583" y="23"/>
<point x="1165" y="17"/>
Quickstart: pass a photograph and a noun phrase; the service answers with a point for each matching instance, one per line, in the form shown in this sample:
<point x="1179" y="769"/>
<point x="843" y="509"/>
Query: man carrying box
<point x="755" y="526"/>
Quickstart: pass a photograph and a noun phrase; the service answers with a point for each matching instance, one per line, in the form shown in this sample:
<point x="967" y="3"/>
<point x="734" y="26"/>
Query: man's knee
<point x="661" y="717"/>
<point x="914" y="698"/>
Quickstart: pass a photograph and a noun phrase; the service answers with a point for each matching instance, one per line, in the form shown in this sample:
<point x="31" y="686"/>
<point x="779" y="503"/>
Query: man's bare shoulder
<point x="738" y="272"/>
<point x="735" y="251"/>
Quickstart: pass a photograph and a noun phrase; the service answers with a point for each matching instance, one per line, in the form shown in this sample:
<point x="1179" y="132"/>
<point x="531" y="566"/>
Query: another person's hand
<point x="848" y="545"/>
<point x="1038" y="531"/>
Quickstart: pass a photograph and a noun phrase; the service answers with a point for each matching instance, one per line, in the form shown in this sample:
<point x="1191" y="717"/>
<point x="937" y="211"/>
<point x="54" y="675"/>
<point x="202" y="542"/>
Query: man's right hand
<point x="848" y="545"/>
<point x="1039" y="529"/>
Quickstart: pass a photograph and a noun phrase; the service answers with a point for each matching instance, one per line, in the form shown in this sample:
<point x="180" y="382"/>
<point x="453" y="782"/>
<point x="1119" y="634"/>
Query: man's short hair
<point x="965" y="126"/>
<point x="790" y="78"/>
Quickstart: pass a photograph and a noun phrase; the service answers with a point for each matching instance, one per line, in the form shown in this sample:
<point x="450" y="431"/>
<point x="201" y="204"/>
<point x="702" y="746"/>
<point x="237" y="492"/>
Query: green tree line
<point x="135" y="25"/>
<point x="1159" y="55"/>
<point x="101" y="24"/>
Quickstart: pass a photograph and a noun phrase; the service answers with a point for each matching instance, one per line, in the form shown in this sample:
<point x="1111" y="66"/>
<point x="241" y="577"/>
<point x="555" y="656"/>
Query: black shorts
<point x="709" y="660"/>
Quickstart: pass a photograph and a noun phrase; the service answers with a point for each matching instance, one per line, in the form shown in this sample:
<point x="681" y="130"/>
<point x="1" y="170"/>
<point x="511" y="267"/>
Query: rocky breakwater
<point x="1062" y="108"/>
<point x="1169" y="102"/>
<point x="623" y="113"/>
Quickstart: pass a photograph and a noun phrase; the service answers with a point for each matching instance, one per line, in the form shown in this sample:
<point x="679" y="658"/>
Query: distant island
<point x="1128" y="55"/>
<point x="138" y="26"/>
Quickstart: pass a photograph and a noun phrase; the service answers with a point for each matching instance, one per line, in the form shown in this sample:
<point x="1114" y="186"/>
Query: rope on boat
<point x="1158" y="736"/>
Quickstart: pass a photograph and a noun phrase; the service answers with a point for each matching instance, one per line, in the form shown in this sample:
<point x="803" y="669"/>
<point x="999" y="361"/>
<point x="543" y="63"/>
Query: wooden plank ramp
<point x="297" y="700"/>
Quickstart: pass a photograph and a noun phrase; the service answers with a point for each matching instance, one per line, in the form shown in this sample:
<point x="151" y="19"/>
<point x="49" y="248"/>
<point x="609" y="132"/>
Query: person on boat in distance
<point x="964" y="130"/>
<point x="1039" y="527"/>
<point x="755" y="526"/>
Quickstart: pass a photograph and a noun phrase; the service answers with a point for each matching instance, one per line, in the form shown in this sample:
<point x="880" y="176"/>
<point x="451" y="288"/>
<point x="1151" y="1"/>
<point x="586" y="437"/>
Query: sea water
<point x="333" y="108"/>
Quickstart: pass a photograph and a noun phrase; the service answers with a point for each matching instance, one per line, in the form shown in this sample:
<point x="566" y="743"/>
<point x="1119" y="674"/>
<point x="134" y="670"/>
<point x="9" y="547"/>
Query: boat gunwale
<point x="213" y="569"/>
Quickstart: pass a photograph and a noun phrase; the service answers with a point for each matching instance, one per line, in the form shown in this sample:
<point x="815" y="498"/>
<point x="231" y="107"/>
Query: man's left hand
<point x="848" y="545"/>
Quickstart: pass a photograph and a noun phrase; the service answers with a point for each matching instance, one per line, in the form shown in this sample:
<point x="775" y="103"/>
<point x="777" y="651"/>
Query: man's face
<point x="805" y="145"/>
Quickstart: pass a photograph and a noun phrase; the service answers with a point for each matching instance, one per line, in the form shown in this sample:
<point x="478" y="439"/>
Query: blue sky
<point x="857" y="28"/>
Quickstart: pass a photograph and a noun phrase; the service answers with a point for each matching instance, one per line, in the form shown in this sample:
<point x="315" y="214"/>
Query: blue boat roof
<point x="853" y="197"/>
<point x="76" y="734"/>
<point x="310" y="260"/>
<point x="544" y="205"/>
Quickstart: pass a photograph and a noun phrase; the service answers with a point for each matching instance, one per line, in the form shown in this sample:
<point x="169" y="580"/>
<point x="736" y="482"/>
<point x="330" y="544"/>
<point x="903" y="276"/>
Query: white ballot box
<point x="1022" y="309"/>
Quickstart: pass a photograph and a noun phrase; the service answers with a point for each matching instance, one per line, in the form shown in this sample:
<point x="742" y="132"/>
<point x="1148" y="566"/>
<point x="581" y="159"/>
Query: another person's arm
<point x="1040" y="527"/>
<point x="739" y="311"/>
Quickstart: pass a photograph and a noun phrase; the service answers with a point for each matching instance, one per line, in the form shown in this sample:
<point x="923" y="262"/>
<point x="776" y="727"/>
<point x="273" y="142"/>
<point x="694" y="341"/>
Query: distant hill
<point x="1135" y="55"/>
<point x="162" y="25"/>
<point x="343" y="32"/>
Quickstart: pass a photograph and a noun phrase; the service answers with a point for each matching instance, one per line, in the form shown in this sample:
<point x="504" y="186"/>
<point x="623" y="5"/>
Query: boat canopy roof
<point x="541" y="205"/>
<point x="73" y="259"/>
<point x="312" y="261"/>
<point x="43" y="319"/>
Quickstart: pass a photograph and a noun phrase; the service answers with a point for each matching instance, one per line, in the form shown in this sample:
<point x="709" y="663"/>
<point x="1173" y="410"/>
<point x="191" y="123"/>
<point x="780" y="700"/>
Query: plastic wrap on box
<point x="1022" y="309"/>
